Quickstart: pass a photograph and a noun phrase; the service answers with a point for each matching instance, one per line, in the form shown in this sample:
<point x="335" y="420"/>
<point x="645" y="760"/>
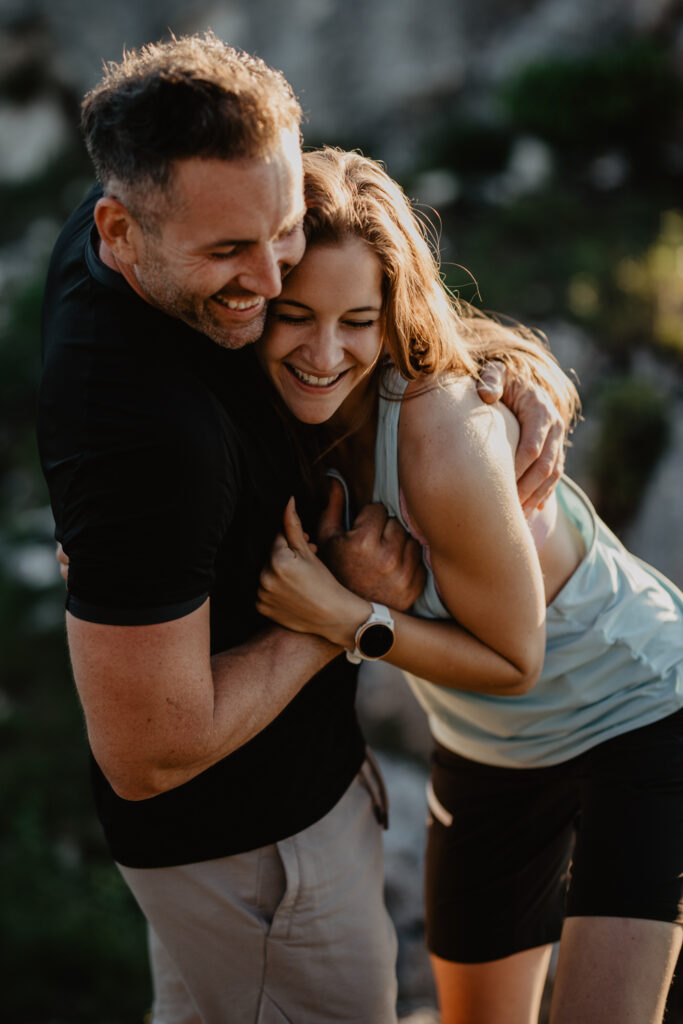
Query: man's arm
<point x="159" y="710"/>
<point x="539" y="459"/>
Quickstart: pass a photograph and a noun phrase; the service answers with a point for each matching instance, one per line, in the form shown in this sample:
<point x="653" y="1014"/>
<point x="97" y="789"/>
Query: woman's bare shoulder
<point x="448" y="425"/>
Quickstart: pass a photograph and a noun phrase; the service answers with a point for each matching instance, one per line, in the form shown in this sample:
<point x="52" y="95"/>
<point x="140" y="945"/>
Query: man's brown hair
<point x="192" y="96"/>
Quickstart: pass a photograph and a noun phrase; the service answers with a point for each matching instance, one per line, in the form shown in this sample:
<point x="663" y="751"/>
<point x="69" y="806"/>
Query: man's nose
<point x="263" y="273"/>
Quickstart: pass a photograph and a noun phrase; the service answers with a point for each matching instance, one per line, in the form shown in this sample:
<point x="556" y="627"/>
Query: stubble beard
<point x="194" y="311"/>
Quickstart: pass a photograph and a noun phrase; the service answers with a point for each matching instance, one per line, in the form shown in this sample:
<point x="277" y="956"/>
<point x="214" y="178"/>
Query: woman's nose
<point x="324" y="349"/>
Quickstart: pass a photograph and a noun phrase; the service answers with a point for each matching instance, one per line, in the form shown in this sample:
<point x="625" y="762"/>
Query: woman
<point x="554" y="658"/>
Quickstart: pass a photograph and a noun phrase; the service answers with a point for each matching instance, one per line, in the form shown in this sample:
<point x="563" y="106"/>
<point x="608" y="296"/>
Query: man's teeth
<point x="239" y="303"/>
<point x="316" y="382"/>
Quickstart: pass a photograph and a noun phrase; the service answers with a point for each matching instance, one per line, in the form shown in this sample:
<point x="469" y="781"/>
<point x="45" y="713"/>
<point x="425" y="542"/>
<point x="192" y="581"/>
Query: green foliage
<point x="623" y="97"/>
<point x="533" y="257"/>
<point x="576" y="246"/>
<point x="73" y="940"/>
<point x="468" y="146"/>
<point x="50" y="195"/>
<point x="635" y="429"/>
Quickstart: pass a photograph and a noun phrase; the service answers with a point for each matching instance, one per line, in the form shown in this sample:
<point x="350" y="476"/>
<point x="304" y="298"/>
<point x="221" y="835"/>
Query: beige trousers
<point x="293" y="933"/>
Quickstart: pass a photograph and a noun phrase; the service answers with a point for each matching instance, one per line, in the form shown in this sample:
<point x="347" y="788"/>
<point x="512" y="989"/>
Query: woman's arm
<point x="462" y="497"/>
<point x="456" y="467"/>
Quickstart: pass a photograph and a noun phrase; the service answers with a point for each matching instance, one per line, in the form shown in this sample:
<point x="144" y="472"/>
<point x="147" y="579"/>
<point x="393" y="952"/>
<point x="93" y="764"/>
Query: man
<point x="228" y="765"/>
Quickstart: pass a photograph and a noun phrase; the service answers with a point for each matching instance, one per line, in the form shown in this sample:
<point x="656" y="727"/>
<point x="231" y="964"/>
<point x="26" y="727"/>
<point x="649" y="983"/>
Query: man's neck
<point x="125" y="269"/>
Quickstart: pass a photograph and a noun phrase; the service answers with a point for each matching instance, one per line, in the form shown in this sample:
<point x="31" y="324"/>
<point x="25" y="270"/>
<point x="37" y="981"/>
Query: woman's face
<point x="324" y="331"/>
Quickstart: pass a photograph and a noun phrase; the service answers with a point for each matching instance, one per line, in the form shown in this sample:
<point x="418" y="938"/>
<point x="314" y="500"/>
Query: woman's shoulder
<point x="448" y="422"/>
<point x="456" y="467"/>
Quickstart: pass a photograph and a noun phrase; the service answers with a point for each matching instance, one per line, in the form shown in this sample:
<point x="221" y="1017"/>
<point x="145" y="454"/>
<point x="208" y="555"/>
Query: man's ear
<point x="118" y="229"/>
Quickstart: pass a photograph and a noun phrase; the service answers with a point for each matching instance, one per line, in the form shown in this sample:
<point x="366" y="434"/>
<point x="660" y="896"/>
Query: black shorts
<point x="511" y="852"/>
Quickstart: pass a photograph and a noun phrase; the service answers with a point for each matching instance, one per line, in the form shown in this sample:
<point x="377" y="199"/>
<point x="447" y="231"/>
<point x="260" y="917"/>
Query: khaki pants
<point x="293" y="933"/>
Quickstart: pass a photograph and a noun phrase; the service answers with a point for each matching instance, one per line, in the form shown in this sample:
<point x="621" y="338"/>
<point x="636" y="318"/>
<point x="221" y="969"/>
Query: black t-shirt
<point x="169" y="468"/>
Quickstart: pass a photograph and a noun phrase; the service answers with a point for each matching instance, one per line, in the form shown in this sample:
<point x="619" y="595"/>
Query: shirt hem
<point x="132" y="616"/>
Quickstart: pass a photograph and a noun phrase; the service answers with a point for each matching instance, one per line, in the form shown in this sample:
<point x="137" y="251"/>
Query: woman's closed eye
<point x="359" y="323"/>
<point x="287" y="318"/>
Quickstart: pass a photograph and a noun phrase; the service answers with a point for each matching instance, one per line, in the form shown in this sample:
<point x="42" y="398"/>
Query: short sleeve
<point x="142" y="521"/>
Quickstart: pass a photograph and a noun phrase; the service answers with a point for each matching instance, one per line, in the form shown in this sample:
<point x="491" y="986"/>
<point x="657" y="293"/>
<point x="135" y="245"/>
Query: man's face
<point x="231" y="231"/>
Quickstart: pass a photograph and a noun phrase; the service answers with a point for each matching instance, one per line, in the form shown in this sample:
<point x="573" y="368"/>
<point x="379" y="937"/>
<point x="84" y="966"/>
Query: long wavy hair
<point x="428" y="332"/>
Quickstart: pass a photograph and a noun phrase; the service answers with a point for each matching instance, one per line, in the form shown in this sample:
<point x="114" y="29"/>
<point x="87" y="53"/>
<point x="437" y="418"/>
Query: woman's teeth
<point x="316" y="382"/>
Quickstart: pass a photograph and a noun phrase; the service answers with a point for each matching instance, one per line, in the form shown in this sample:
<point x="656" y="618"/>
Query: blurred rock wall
<point x="358" y="66"/>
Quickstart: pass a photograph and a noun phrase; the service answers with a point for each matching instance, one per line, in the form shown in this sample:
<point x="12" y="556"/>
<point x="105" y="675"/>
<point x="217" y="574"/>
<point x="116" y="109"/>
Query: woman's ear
<point x="118" y="229"/>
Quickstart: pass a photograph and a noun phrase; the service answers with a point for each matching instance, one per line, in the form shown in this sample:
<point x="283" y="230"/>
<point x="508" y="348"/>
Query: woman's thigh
<point x="628" y="857"/>
<point x="498" y="849"/>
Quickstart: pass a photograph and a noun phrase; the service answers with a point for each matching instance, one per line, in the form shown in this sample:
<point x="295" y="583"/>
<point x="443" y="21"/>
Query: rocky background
<point x="548" y="134"/>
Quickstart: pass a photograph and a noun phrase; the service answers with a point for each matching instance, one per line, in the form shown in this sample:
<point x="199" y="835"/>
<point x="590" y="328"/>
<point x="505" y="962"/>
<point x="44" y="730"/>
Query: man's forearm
<point x="255" y="681"/>
<point x="160" y="711"/>
<point x="252" y="684"/>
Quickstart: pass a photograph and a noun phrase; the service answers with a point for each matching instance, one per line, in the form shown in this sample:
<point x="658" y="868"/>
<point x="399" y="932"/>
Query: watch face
<point x="376" y="640"/>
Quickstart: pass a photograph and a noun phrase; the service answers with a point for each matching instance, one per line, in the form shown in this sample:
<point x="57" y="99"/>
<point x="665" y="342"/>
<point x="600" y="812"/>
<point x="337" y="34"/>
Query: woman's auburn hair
<point x="428" y="332"/>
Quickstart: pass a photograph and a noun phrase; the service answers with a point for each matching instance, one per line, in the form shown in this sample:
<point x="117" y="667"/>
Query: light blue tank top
<point x="614" y="642"/>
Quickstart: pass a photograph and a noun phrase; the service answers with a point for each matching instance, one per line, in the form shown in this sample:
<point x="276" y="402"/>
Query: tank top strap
<point x="387" y="487"/>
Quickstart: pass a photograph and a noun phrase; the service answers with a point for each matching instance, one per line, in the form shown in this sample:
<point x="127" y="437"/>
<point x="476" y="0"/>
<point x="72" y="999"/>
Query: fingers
<point x="381" y="536"/>
<point x="411" y="577"/>
<point x="63" y="560"/>
<point x="293" y="530"/>
<point x="543" y="466"/>
<point x="394" y="535"/>
<point x="371" y="519"/>
<point x="280" y="559"/>
<point x="491" y="381"/>
<point x="534" y="494"/>
<point x="332" y="520"/>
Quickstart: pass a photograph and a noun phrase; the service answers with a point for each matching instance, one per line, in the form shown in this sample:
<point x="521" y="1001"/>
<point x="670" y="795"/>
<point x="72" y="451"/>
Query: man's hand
<point x="63" y="560"/>
<point x="376" y="558"/>
<point x="539" y="460"/>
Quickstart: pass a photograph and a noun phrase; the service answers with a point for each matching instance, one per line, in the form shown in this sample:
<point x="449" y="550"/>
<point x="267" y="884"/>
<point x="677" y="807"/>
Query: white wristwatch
<point x="375" y="637"/>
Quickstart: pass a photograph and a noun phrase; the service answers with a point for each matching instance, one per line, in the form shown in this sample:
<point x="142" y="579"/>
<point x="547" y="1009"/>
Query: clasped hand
<point x="374" y="561"/>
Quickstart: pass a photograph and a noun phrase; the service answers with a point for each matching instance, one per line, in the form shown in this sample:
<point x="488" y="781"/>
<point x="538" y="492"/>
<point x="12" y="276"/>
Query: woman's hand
<point x="299" y="592"/>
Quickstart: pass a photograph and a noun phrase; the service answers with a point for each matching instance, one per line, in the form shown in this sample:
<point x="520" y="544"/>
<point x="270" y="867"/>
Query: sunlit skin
<point x="324" y="332"/>
<point x="230" y="233"/>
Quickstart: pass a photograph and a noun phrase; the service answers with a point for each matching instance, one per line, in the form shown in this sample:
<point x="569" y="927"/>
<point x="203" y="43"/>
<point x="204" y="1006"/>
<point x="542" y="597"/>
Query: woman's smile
<point x="324" y="332"/>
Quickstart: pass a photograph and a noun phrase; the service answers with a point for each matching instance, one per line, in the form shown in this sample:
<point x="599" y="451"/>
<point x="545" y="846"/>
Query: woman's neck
<point x="353" y="430"/>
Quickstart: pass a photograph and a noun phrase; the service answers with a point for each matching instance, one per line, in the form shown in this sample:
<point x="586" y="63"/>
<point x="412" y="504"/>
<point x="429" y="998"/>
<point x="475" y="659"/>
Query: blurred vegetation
<point x="596" y="239"/>
<point x="74" y="944"/>
<point x="635" y="430"/>
<point x="599" y="241"/>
